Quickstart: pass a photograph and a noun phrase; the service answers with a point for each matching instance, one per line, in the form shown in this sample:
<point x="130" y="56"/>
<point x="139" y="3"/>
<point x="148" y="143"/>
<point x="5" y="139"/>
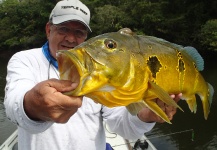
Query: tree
<point x="108" y="18"/>
<point x="23" y="23"/>
<point x="208" y="36"/>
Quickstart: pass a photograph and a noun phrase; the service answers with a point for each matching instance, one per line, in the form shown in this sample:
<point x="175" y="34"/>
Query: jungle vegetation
<point x="185" y="22"/>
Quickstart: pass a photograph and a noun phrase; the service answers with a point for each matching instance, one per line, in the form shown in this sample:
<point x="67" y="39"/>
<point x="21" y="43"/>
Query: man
<point x="49" y="120"/>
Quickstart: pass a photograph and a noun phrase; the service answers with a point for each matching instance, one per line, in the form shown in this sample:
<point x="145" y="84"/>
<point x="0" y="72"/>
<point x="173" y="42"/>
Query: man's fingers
<point x="172" y="96"/>
<point x="161" y="104"/>
<point x="67" y="101"/>
<point x="170" y="111"/>
<point x="49" y="102"/>
<point x="63" y="107"/>
<point x="61" y="85"/>
<point x="178" y="97"/>
<point x="62" y="117"/>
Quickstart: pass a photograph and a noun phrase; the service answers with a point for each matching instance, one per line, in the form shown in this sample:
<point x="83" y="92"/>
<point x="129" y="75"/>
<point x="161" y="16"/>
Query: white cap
<point x="70" y="10"/>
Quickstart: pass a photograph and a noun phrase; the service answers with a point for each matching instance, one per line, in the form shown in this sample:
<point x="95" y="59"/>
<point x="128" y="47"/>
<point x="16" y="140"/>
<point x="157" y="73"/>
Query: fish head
<point x="101" y="63"/>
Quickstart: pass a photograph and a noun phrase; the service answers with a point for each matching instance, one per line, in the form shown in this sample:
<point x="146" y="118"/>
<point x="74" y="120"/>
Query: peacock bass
<point x="125" y="69"/>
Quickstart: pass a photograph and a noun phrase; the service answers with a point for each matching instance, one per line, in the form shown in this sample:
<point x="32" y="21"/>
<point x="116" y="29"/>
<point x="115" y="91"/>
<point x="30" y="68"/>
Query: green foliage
<point x="177" y="21"/>
<point x="22" y="24"/>
<point x="188" y="22"/>
<point x="110" y="18"/>
<point x="209" y="34"/>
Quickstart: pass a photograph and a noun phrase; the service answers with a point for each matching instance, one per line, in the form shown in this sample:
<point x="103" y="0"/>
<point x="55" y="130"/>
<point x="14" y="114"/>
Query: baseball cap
<point x="70" y="10"/>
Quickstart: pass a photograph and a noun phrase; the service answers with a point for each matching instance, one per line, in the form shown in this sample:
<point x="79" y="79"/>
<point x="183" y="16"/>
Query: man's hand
<point x="45" y="101"/>
<point x="147" y="115"/>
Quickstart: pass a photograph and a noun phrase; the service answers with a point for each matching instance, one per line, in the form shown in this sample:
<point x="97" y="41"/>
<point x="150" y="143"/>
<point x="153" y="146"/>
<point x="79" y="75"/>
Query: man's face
<point x="65" y="36"/>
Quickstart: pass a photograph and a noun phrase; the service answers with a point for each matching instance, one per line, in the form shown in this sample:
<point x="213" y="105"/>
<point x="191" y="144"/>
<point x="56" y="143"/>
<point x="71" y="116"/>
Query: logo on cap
<point x="74" y="7"/>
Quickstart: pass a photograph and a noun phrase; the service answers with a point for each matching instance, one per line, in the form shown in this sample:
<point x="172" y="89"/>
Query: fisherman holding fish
<point x="47" y="119"/>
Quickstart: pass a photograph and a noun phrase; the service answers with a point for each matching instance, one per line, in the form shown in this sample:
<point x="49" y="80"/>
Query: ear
<point x="47" y="28"/>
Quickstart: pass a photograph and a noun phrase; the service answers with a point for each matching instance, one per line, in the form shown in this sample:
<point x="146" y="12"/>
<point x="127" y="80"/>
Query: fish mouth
<point x="78" y="66"/>
<point x="71" y="67"/>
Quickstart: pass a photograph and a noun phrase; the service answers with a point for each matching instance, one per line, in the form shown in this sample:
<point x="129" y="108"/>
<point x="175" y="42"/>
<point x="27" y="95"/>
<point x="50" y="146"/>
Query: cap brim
<point x="66" y="18"/>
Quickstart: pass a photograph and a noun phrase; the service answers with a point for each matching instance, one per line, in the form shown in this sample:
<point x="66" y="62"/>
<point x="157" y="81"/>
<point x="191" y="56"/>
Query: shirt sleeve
<point x="123" y="123"/>
<point x="20" y="79"/>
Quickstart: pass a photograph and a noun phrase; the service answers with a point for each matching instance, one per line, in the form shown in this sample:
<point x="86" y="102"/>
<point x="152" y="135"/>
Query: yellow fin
<point x="207" y="100"/>
<point x="157" y="110"/>
<point x="162" y="95"/>
<point x="192" y="103"/>
<point x="134" y="108"/>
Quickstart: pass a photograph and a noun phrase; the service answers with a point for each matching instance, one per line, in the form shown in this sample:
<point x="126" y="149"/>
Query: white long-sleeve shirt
<point x="83" y="131"/>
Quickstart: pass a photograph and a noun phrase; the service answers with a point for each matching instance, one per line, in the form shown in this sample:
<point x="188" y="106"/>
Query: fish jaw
<point x="73" y="65"/>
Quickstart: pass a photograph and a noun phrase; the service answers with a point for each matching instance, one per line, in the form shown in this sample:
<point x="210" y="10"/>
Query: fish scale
<point x="125" y="69"/>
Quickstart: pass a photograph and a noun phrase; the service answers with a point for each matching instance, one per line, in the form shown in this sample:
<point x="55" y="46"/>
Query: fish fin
<point x="134" y="108"/>
<point x="167" y="43"/>
<point x="207" y="101"/>
<point x="192" y="103"/>
<point x="163" y="95"/>
<point x="157" y="110"/>
<point x="211" y="92"/>
<point x="193" y="53"/>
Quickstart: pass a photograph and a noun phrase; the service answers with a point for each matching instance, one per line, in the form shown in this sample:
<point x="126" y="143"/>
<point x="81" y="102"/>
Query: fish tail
<point x="211" y="93"/>
<point x="207" y="100"/>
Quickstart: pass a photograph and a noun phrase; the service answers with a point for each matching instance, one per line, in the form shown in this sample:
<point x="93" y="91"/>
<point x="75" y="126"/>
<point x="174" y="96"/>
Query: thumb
<point x="62" y="85"/>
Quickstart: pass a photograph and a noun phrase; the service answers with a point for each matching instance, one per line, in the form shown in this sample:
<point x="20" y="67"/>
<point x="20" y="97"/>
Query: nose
<point x="71" y="38"/>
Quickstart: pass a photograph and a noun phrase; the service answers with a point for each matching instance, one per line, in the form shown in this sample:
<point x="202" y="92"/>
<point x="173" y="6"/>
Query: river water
<point x="6" y="127"/>
<point x="188" y="131"/>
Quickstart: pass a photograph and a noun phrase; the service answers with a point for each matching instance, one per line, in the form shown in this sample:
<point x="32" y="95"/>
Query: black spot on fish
<point x="195" y="66"/>
<point x="181" y="65"/>
<point x="154" y="65"/>
<point x="179" y="54"/>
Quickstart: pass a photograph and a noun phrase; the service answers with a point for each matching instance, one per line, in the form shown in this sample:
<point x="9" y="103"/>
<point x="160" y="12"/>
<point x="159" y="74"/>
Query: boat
<point x="11" y="142"/>
<point x="116" y="142"/>
<point x="119" y="143"/>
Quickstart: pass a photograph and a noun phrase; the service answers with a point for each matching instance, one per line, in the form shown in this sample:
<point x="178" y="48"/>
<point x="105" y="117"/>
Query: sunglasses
<point x="64" y="30"/>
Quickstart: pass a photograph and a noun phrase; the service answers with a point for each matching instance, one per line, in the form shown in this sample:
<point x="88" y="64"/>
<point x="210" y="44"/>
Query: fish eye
<point x="110" y="44"/>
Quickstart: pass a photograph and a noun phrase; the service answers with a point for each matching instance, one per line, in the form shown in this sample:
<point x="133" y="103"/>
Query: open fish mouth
<point x="70" y="66"/>
<point x="79" y="67"/>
